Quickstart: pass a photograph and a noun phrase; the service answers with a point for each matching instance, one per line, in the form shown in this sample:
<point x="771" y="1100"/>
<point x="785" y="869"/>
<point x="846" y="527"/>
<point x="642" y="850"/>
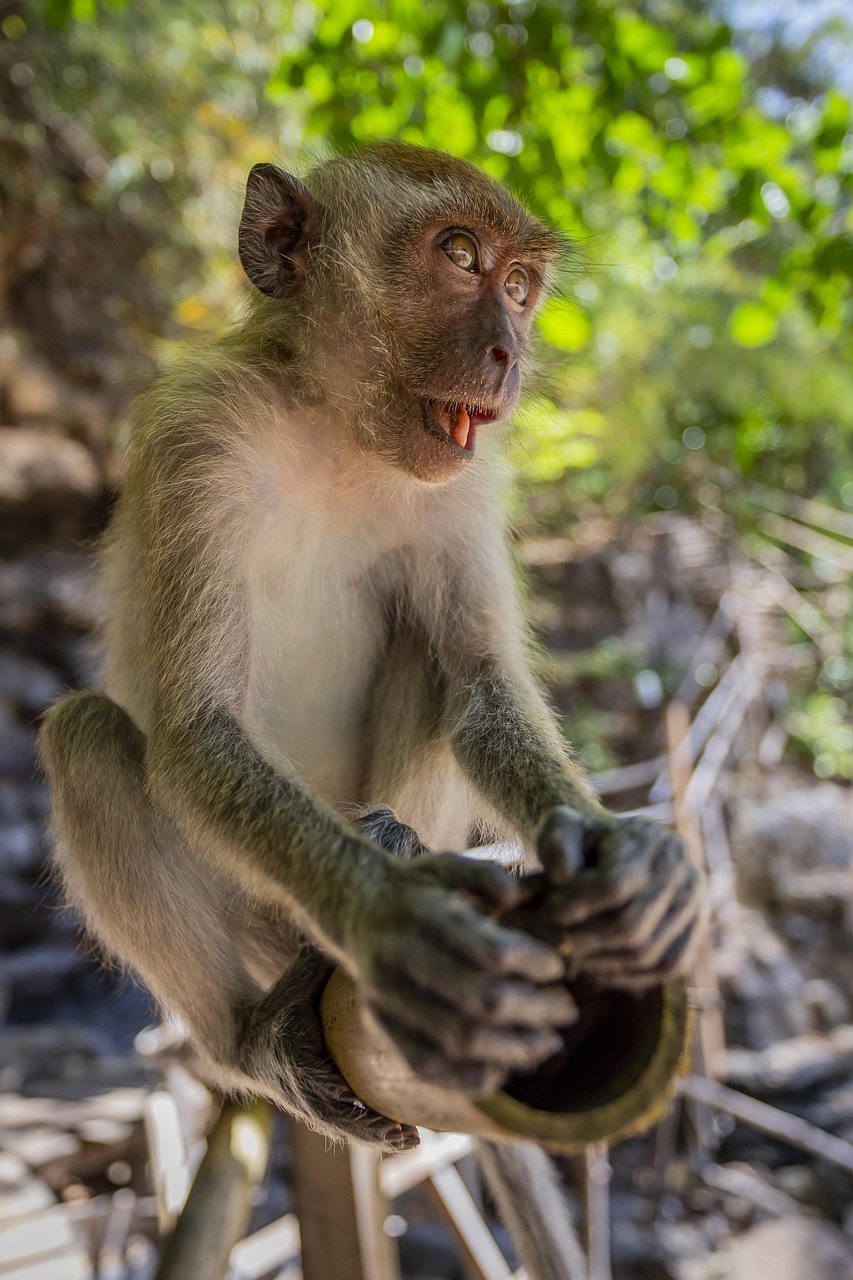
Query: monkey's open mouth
<point x="460" y="421"/>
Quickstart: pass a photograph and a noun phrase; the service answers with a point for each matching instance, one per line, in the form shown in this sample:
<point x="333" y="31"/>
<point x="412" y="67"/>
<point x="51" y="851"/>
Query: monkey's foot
<point x="284" y="1051"/>
<point x="329" y="1105"/>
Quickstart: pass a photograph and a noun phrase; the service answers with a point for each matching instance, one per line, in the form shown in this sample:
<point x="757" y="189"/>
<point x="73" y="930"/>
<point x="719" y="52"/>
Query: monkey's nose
<point x="498" y="354"/>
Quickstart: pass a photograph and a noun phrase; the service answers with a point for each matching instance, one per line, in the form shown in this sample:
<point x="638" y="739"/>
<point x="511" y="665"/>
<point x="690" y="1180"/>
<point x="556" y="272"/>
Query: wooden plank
<point x="30" y="1195"/>
<point x="809" y="510"/>
<point x="457" y="1205"/>
<point x="341" y="1211"/>
<point x="716" y="707"/>
<point x="597" y="1198"/>
<point x="71" y="1264"/>
<point x="169" y="1170"/>
<point x="43" y="1233"/>
<point x="710" y="1028"/>
<point x="814" y="544"/>
<point x="398" y="1174"/>
<point x="771" y="1120"/>
<point x="266" y="1250"/>
<point x="628" y="777"/>
<point x="116" y="1230"/>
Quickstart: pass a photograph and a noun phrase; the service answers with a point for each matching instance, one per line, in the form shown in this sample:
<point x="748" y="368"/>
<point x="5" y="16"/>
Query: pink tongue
<point x="460" y="427"/>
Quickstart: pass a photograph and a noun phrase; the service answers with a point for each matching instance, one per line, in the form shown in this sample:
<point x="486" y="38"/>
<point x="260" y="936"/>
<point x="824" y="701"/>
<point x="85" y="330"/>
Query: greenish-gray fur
<point x="312" y="618"/>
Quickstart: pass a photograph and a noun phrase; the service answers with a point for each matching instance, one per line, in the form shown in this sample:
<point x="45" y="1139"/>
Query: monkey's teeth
<point x="459" y="424"/>
<point x="461" y="427"/>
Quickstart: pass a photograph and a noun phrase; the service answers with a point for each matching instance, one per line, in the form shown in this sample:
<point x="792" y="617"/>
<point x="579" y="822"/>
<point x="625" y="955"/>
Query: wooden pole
<point x="218" y="1207"/>
<point x="597" y="1196"/>
<point x="341" y="1211"/>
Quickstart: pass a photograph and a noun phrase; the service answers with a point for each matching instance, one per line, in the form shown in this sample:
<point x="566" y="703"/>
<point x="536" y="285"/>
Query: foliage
<point x="700" y="336"/>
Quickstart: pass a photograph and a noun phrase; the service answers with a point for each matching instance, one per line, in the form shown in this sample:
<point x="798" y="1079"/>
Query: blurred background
<point x="683" y="506"/>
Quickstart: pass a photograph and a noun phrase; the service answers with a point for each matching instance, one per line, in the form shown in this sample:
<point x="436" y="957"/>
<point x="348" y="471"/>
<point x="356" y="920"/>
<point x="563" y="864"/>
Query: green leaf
<point x="57" y="13"/>
<point x="752" y="325"/>
<point x="565" y="327"/>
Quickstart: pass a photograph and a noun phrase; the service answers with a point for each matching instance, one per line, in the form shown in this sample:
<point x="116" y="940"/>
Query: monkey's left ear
<point x="281" y="221"/>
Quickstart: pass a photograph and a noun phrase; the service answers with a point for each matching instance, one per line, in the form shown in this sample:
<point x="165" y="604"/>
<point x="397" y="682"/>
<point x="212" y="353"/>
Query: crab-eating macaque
<point x="312" y="616"/>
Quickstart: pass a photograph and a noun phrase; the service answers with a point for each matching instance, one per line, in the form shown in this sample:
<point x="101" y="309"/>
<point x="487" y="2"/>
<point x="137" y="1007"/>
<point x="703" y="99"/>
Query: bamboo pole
<point x="642" y="1040"/>
<point x="218" y="1207"/>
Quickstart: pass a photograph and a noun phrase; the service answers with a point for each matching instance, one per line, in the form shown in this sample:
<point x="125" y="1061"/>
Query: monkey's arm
<point x="462" y="997"/>
<point x="623" y="890"/>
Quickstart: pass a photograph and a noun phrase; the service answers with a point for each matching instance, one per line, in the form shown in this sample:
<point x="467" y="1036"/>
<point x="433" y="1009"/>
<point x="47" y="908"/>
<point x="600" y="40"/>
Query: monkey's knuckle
<point x="493" y="998"/>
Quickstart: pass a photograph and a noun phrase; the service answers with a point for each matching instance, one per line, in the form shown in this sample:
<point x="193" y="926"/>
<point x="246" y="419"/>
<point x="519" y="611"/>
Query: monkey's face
<point x="412" y="280"/>
<point x="463" y="302"/>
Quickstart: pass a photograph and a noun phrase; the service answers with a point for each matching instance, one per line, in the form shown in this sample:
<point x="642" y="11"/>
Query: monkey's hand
<point x="283" y="1046"/>
<point x="466" y="1000"/>
<point x="621" y="897"/>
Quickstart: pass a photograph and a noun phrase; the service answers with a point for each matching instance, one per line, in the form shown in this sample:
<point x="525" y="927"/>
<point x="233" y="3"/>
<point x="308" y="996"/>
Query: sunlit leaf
<point x="752" y="325"/>
<point x="565" y="327"/>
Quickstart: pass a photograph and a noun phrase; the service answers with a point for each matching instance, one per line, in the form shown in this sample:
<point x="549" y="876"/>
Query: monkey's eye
<point x="461" y="250"/>
<point x="517" y="285"/>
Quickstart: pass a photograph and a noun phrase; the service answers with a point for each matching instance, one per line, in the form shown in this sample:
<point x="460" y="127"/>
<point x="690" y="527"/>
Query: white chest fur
<point x="319" y="632"/>
<point x="327" y="554"/>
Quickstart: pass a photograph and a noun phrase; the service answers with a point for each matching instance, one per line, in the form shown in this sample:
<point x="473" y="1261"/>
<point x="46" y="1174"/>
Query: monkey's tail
<point x="530" y="1201"/>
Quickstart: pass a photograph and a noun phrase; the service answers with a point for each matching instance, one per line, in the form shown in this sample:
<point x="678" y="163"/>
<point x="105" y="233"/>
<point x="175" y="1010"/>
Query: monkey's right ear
<point x="280" y="224"/>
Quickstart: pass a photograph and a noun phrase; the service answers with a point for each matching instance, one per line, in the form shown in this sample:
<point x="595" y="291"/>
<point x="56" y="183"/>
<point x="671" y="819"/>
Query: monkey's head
<point x="403" y="283"/>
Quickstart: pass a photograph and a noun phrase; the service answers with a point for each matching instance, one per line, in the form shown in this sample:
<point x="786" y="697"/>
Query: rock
<point x="791" y="829"/>
<point x="49" y="487"/>
<point x="788" y="1249"/>
<point x="33" y="390"/>
<point x="827" y="1002"/>
<point x="793" y="1065"/>
<point x="28" y="684"/>
<point x="35" y="463"/>
<point x="762" y="987"/>
<point x="825" y="894"/>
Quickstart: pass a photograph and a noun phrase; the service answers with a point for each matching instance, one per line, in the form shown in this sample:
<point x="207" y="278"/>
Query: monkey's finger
<point x="484" y="880"/>
<point x="514" y="1050"/>
<point x="645" y="932"/>
<point x="427" y="1061"/>
<point x="339" y="1109"/>
<point x="501" y="1001"/>
<point x="635" y="864"/>
<point x="666" y="949"/>
<point x="461" y="1036"/>
<point x="494" y="949"/>
<point x="381" y="1131"/>
<point x="675" y="962"/>
<point x="685" y="912"/>
<point x="560" y="845"/>
<point x="515" y="1004"/>
<point x="383" y="827"/>
<point x="634" y="926"/>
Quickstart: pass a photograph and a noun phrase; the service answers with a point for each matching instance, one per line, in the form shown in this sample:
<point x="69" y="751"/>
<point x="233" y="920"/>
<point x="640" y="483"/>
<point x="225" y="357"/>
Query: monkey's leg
<point x="283" y="1051"/>
<point x="622" y="890"/>
<point x="384" y="828"/>
<point x="159" y="911"/>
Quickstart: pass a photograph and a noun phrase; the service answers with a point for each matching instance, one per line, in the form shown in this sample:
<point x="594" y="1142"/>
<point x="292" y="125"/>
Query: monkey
<point x="316" y="675"/>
